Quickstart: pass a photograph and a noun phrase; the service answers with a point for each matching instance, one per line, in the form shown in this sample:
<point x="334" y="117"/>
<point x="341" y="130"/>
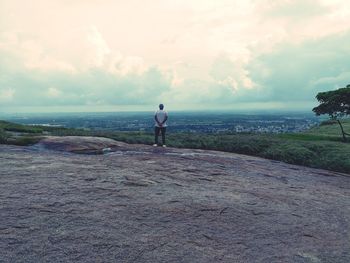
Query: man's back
<point x="161" y="115"/>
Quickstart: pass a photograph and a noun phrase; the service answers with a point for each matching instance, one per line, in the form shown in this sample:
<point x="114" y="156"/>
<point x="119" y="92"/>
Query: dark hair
<point x="161" y="106"/>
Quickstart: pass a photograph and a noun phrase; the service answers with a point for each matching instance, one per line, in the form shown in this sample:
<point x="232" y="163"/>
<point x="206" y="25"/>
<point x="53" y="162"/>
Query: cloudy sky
<point x="97" y="55"/>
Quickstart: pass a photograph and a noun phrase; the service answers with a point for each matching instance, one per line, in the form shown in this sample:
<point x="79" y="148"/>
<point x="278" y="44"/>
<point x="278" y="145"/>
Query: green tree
<point x="335" y="103"/>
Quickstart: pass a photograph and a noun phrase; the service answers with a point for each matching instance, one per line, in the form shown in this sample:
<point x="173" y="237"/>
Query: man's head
<point x="161" y="106"/>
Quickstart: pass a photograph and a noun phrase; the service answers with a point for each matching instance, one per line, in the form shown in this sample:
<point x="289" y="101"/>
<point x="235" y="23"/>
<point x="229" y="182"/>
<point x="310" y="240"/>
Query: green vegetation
<point x="3" y="136"/>
<point x="320" y="147"/>
<point x="331" y="128"/>
<point x="14" y="127"/>
<point x="18" y="134"/>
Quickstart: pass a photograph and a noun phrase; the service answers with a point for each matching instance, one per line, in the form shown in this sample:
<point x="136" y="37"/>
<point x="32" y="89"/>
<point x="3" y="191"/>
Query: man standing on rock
<point x="160" y="117"/>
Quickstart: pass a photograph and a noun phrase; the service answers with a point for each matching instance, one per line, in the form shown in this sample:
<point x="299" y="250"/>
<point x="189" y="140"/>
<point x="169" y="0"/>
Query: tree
<point x="335" y="103"/>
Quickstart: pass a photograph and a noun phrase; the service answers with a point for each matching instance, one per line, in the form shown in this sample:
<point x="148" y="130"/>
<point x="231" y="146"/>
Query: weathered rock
<point x="78" y="144"/>
<point x="149" y="204"/>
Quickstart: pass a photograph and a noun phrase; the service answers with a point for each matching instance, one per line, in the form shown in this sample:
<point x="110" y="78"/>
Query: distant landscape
<point x="293" y="138"/>
<point x="194" y="122"/>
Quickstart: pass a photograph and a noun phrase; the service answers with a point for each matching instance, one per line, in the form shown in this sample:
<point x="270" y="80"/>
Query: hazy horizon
<point x="97" y="56"/>
<point x="11" y="116"/>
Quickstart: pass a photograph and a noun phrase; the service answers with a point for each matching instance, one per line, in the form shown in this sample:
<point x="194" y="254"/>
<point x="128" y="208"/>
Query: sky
<point x="111" y="55"/>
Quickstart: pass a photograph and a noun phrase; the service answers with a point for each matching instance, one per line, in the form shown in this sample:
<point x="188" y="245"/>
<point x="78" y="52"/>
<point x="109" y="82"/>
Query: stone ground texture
<point x="140" y="203"/>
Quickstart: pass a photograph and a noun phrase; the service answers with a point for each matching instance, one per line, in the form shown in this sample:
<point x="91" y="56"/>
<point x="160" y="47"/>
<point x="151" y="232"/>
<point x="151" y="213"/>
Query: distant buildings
<point x="182" y="122"/>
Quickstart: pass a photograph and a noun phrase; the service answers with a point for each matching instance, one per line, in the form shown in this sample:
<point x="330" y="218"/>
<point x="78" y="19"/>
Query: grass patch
<point x="309" y="137"/>
<point x="14" y="127"/>
<point x="330" y="128"/>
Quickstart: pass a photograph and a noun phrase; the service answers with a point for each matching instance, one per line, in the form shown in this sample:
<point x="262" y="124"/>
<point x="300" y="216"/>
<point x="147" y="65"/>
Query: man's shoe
<point x="155" y="144"/>
<point x="164" y="145"/>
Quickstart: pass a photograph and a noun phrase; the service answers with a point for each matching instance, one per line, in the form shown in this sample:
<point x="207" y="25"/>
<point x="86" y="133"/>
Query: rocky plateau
<point x="87" y="199"/>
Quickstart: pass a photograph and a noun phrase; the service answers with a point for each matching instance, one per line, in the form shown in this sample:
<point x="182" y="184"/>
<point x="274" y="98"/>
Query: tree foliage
<point x="335" y="103"/>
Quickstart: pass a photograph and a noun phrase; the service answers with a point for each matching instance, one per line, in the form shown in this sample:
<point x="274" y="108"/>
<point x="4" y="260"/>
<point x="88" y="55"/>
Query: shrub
<point x="3" y="136"/>
<point x="291" y="153"/>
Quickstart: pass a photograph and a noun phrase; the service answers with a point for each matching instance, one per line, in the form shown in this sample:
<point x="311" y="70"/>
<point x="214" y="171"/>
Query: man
<point x="160" y="117"/>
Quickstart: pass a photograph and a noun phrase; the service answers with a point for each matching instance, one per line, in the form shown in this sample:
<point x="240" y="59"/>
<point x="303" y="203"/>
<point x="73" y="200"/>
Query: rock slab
<point x="149" y="204"/>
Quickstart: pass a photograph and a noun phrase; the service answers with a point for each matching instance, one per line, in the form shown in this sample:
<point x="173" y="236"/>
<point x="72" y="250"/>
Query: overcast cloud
<point x="187" y="54"/>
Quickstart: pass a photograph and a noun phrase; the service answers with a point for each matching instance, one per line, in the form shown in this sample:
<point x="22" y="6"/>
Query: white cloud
<point x="53" y="92"/>
<point x="184" y="51"/>
<point x="101" y="48"/>
<point x="6" y="95"/>
<point x="230" y="70"/>
<point x="338" y="81"/>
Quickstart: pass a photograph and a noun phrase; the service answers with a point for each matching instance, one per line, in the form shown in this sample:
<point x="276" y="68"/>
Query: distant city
<point x="203" y="122"/>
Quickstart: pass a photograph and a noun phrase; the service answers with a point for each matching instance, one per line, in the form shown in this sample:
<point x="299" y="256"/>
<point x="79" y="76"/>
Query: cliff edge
<point x="136" y="203"/>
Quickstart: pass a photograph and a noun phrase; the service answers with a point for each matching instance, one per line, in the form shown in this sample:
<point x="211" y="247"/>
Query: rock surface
<point x="148" y="204"/>
<point x="77" y="144"/>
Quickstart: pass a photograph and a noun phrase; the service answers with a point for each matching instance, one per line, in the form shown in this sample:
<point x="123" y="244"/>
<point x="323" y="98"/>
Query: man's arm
<point x="156" y="119"/>
<point x="165" y="119"/>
